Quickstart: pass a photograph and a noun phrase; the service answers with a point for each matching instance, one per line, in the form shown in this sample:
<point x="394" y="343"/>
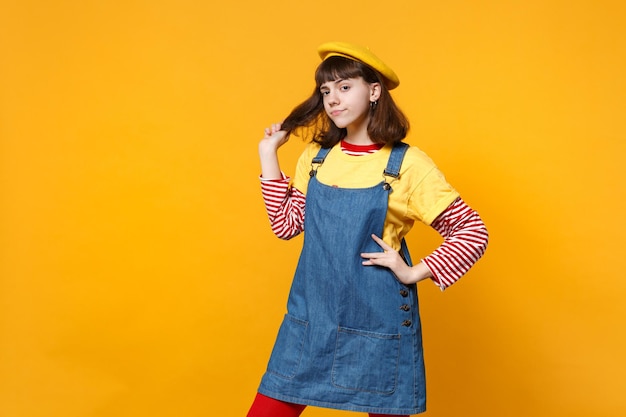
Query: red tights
<point x="268" y="407"/>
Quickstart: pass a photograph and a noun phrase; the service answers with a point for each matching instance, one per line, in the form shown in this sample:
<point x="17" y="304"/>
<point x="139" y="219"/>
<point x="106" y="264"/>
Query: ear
<point x="374" y="91"/>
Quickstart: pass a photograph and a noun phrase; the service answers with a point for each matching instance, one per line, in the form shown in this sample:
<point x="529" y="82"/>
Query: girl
<point x="351" y="338"/>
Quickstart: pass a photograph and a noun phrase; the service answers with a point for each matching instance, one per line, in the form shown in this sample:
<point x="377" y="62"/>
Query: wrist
<point x="267" y="148"/>
<point x="420" y="272"/>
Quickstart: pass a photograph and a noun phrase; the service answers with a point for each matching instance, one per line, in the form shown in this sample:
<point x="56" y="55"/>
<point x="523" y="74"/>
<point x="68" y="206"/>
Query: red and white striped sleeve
<point x="284" y="206"/>
<point x="465" y="240"/>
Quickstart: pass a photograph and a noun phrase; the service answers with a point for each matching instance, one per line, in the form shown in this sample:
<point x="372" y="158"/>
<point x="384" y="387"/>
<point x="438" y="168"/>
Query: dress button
<point x="405" y="307"/>
<point x="404" y="293"/>
<point x="406" y="323"/>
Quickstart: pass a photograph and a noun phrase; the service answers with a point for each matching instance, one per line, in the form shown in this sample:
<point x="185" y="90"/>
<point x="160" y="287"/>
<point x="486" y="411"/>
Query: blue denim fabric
<point x="351" y="338"/>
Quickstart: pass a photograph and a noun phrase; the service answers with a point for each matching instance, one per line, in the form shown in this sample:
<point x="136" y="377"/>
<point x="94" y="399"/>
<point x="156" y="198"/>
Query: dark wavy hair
<point x="387" y="123"/>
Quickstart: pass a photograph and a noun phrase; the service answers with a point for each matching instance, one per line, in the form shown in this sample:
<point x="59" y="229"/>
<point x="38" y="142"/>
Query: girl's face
<point x="347" y="102"/>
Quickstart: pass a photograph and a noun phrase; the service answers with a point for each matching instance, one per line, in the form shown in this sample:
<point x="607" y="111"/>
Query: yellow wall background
<point x="138" y="273"/>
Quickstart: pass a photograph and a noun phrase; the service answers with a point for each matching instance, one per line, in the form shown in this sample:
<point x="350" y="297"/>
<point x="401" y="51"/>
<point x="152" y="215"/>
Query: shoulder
<point x="420" y="172"/>
<point x="428" y="191"/>
<point x="309" y="152"/>
<point x="303" y="167"/>
<point x="417" y="162"/>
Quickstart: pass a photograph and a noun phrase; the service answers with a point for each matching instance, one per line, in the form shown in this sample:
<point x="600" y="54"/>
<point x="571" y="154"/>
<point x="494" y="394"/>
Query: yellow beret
<point x="361" y="54"/>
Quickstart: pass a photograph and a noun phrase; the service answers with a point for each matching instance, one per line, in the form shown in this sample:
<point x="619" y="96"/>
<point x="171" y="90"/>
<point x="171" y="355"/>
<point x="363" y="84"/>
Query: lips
<point x="336" y="112"/>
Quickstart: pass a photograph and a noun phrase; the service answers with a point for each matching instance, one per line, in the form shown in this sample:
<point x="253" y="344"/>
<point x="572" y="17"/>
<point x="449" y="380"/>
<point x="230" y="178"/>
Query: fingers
<point x="381" y="243"/>
<point x="275" y="127"/>
<point x="374" y="255"/>
<point x="388" y="258"/>
<point x="369" y="259"/>
<point x="385" y="258"/>
<point x="387" y="250"/>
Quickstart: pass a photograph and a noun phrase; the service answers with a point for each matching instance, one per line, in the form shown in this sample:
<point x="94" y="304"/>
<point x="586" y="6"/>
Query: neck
<point x="357" y="131"/>
<point x="358" y="136"/>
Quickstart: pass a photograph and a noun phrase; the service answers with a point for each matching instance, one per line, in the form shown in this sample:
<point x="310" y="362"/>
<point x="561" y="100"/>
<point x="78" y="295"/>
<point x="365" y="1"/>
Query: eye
<point x="345" y="87"/>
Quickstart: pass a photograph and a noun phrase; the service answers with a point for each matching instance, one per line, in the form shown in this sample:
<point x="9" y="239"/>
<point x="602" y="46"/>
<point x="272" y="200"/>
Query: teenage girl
<point x="351" y="338"/>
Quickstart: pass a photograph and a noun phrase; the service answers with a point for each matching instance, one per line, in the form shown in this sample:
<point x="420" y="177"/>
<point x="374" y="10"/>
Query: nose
<point x="332" y="98"/>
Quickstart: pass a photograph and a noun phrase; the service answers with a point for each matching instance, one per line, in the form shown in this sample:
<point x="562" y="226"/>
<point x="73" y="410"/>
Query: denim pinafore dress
<point x="351" y="338"/>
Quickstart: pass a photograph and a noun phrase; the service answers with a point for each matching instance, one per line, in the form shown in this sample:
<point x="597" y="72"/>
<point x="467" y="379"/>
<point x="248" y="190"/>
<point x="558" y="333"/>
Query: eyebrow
<point x="337" y="81"/>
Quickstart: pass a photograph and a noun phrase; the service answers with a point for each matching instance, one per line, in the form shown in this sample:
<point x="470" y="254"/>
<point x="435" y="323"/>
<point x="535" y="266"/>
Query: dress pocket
<point x="287" y="352"/>
<point x="366" y="361"/>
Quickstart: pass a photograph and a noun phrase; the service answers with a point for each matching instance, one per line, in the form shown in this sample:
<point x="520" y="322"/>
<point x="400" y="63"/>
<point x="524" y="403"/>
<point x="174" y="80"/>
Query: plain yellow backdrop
<point x="138" y="273"/>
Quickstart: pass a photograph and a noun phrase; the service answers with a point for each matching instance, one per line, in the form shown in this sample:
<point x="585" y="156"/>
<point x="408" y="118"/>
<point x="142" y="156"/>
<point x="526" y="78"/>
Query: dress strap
<point x="321" y="155"/>
<point x="318" y="160"/>
<point x="393" y="170"/>
<point x="393" y="164"/>
<point x="395" y="160"/>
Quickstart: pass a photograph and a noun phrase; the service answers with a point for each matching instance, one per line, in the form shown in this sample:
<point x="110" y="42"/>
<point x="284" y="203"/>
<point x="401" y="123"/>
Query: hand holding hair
<point x="274" y="137"/>
<point x="268" y="147"/>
